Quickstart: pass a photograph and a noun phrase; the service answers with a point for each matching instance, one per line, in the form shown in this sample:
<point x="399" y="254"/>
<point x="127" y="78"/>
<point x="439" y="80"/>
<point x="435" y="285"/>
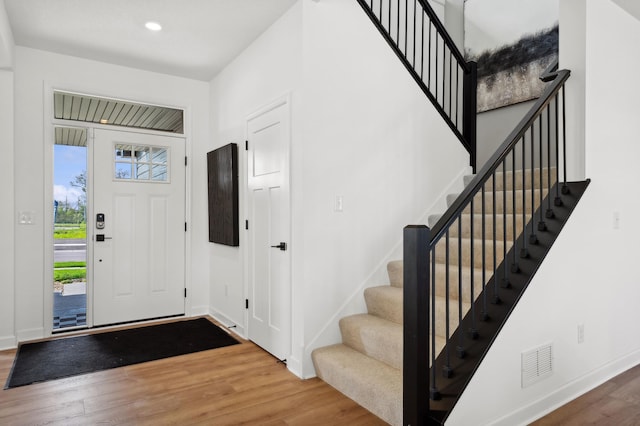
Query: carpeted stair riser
<point x="441" y="252"/>
<point x="384" y="302"/>
<point x="440" y="278"/>
<point x="397" y="267"/>
<point x="440" y="282"/>
<point x="500" y="202"/>
<point x="441" y="316"/>
<point x="395" y="270"/>
<point x="373" y="336"/>
<point x="488" y="226"/>
<point x="500" y="205"/>
<point x="509" y="179"/>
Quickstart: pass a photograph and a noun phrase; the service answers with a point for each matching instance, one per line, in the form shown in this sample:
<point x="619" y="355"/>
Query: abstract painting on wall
<point x="513" y="42"/>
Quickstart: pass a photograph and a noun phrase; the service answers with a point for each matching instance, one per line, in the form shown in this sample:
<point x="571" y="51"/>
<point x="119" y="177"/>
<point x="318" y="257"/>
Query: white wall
<point x="589" y="276"/>
<point x="373" y="138"/>
<point x="573" y="40"/>
<point x="35" y="70"/>
<point x="267" y="70"/>
<point x="361" y="130"/>
<point x="7" y="215"/>
<point x="494" y="126"/>
<point x="454" y="22"/>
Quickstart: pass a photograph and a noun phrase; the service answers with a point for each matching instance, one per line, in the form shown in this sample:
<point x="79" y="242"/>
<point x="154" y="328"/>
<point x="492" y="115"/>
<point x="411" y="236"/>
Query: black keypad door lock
<point x="100" y="221"/>
<point x="281" y="246"/>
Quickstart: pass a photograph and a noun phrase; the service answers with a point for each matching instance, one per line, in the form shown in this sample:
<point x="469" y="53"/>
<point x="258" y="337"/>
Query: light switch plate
<point x="26" y="217"/>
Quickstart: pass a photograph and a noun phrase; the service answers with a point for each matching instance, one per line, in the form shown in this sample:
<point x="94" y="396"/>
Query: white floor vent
<point x="537" y="364"/>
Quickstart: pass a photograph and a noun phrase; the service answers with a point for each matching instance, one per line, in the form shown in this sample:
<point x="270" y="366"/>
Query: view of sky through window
<point x="69" y="162"/>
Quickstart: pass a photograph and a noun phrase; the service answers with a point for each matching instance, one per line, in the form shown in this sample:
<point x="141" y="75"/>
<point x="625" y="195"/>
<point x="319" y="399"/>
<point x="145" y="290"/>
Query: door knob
<point x="281" y="246"/>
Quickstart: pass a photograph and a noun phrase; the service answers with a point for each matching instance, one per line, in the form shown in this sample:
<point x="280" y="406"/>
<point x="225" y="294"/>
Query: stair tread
<point x="373" y="384"/>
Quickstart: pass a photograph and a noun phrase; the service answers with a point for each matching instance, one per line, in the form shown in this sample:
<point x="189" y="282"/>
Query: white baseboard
<point x="30" y="334"/>
<point x="8" y="342"/>
<point x="228" y="323"/>
<point x="295" y="366"/>
<point x="529" y="413"/>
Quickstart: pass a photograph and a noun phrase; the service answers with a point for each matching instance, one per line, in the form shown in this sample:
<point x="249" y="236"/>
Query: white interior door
<point x="139" y="248"/>
<point x="269" y="230"/>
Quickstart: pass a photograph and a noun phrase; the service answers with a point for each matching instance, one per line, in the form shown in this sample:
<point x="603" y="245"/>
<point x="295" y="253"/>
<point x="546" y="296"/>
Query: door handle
<point x="101" y="237"/>
<point x="281" y="246"/>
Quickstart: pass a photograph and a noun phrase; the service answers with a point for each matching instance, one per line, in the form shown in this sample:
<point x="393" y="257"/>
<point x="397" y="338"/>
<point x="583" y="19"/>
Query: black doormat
<point x="55" y="359"/>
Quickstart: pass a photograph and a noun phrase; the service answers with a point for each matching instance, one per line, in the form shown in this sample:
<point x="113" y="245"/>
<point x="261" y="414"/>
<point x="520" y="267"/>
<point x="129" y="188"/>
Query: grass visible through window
<point x="66" y="272"/>
<point x="70" y="231"/>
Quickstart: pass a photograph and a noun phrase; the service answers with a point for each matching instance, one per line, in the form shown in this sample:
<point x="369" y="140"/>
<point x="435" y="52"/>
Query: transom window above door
<point x="141" y="163"/>
<point x="93" y="109"/>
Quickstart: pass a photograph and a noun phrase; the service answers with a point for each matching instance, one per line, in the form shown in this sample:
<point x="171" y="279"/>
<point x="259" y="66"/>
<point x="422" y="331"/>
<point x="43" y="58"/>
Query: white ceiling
<point x="198" y="39"/>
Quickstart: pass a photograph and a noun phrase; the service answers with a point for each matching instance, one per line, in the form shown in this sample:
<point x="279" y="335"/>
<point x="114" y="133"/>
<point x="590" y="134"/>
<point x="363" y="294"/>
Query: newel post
<point x="416" y="325"/>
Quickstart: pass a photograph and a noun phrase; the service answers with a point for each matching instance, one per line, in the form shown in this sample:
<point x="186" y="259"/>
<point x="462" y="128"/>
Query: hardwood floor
<point x="616" y="402"/>
<point x="239" y="384"/>
<point x="242" y="384"/>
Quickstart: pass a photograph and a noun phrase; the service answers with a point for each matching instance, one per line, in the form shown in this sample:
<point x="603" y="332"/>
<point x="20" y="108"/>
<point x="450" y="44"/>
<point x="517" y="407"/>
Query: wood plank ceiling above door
<point x="90" y="109"/>
<point x="71" y="136"/>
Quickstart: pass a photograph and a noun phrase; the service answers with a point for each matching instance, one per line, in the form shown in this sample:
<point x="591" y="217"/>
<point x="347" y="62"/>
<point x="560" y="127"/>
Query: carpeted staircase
<point x="367" y="365"/>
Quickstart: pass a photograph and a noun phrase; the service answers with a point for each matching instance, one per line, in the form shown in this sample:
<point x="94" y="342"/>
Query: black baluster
<point x="485" y="312"/>
<point x="565" y="187"/>
<point x="444" y="75"/>
<point x="450" y="80"/>
<point x="434" y="393"/>
<point x="406" y="28"/>
<point x="533" y="238"/>
<point x="422" y="45"/>
<point x="429" y="60"/>
<point x="413" y="63"/>
<point x="524" y="252"/>
<point x="496" y="291"/>
<point x="436" y="67"/>
<point x="457" y="92"/>
<point x="505" y="279"/>
<point x="447" y="371"/>
<point x="549" y="214"/>
<point x="460" y="349"/>
<point x="515" y="268"/>
<point x="473" y="331"/>
<point x="557" y="201"/>
<point x="542" y="226"/>
<point x="398" y="26"/>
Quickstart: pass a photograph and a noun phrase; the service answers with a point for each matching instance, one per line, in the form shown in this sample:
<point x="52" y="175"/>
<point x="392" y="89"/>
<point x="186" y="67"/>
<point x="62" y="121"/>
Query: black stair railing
<point x="475" y="251"/>
<point x="419" y="39"/>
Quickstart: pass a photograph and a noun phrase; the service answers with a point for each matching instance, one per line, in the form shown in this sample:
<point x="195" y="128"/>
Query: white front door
<point x="139" y="226"/>
<point x="269" y="229"/>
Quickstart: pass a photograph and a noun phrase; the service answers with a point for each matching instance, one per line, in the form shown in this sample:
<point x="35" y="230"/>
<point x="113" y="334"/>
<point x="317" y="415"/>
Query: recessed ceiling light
<point x="104" y="121"/>
<point x="153" y="26"/>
